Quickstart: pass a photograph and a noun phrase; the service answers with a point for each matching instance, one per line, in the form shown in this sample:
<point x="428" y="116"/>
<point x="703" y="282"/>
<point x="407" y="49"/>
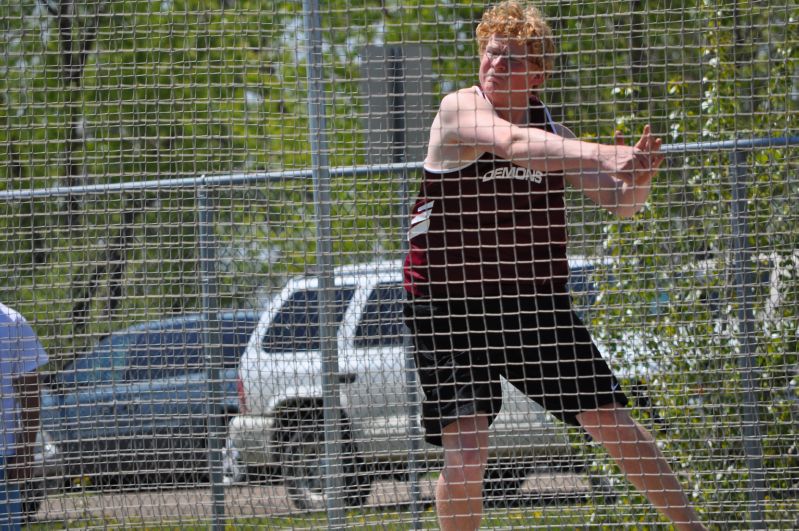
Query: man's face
<point x="506" y="70"/>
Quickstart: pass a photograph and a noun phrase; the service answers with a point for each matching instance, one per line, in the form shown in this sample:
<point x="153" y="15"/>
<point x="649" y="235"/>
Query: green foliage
<point x="181" y="89"/>
<point x="675" y="275"/>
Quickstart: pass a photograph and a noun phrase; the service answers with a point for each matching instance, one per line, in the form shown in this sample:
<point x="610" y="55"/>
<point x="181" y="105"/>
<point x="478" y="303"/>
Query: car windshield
<point x="296" y="325"/>
<point x="381" y="322"/>
<point x="582" y="288"/>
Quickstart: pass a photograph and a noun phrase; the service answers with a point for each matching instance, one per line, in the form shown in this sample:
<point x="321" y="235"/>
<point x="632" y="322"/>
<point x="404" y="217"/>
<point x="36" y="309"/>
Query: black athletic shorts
<point x="536" y="342"/>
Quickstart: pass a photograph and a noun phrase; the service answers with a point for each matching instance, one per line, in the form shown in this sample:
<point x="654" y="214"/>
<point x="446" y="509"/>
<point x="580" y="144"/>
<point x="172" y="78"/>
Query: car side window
<point x="582" y="288"/>
<point x="166" y="353"/>
<point x="236" y="333"/>
<point x="296" y="325"/>
<point x="381" y="323"/>
<point x="146" y="359"/>
<point x="103" y="365"/>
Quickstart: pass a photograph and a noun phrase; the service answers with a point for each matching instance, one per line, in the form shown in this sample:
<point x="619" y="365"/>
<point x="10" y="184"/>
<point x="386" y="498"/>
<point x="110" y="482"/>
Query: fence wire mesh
<point x="206" y="205"/>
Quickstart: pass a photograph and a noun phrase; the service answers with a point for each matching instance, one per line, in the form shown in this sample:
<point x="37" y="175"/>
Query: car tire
<point x="32" y="497"/>
<point x="233" y="469"/>
<point x="302" y="449"/>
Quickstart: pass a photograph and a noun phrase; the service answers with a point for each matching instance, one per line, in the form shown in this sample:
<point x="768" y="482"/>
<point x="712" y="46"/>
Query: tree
<point x="675" y="279"/>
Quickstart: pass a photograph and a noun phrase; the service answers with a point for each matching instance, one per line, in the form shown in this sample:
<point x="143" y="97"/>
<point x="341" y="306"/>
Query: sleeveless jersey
<point x="489" y="228"/>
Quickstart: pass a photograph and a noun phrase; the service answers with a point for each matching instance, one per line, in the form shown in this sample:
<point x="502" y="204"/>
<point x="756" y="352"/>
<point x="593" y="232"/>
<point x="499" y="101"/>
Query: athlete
<point x="486" y="271"/>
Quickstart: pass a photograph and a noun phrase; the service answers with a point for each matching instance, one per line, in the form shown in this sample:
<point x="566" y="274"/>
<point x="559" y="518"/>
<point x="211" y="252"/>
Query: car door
<point x="93" y="415"/>
<point x="285" y="364"/>
<point x="166" y="389"/>
<point x="171" y="370"/>
<point x="377" y="401"/>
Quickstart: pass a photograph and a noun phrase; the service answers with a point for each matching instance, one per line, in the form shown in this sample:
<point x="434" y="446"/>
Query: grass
<point x="555" y="517"/>
<point x="630" y="512"/>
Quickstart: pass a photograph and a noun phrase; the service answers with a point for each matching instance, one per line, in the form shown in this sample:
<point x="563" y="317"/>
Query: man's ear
<point x="535" y="79"/>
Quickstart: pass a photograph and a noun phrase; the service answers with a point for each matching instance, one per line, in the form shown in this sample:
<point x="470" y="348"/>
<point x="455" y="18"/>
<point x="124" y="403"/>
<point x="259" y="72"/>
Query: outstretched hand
<point x="633" y="164"/>
<point x="650" y="146"/>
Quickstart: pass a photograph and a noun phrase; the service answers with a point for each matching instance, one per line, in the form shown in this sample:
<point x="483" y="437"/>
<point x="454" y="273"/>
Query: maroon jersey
<point x="488" y="228"/>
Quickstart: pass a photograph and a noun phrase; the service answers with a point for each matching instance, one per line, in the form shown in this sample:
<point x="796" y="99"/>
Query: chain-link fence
<point x="205" y="211"/>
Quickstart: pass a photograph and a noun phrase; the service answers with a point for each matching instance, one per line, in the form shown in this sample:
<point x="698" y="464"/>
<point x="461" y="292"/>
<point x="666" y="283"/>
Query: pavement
<point x="190" y="505"/>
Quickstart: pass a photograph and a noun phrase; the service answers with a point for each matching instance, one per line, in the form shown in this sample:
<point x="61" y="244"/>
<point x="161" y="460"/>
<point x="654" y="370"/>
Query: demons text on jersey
<point x="513" y="172"/>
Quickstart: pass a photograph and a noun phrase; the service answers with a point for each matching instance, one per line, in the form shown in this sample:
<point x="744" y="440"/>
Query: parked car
<point x="137" y="406"/>
<point x="280" y="427"/>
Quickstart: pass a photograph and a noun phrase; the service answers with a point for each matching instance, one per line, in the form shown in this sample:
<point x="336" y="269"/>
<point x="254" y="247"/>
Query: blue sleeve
<point x="31" y="354"/>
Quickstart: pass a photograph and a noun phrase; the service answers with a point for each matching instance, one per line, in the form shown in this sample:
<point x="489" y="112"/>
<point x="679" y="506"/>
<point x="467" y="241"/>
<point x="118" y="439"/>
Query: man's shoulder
<point x="10" y="315"/>
<point x="18" y="341"/>
<point x="14" y="324"/>
<point x="464" y="99"/>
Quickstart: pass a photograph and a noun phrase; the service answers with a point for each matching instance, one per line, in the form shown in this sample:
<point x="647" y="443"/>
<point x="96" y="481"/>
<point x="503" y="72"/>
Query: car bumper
<point x="252" y="436"/>
<point x="540" y="440"/>
<point x="48" y="460"/>
<point x="47" y="474"/>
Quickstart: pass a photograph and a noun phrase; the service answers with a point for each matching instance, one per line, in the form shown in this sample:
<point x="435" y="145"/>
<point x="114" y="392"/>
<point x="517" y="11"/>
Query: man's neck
<point x="514" y="114"/>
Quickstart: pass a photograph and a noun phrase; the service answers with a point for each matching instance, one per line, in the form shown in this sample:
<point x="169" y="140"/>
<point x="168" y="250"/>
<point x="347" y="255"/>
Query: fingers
<point x="645" y="138"/>
<point x="650" y="146"/>
<point x="657" y="156"/>
<point x="643" y="160"/>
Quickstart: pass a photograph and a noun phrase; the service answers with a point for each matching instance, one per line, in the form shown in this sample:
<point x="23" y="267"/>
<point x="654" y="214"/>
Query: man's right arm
<point x="26" y="388"/>
<point x="26" y="385"/>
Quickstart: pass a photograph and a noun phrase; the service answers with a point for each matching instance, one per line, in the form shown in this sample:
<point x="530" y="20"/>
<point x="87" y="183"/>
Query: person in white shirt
<point x="21" y="354"/>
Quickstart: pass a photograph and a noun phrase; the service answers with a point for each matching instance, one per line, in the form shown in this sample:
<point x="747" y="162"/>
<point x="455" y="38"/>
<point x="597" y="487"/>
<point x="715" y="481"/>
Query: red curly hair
<point x="524" y="24"/>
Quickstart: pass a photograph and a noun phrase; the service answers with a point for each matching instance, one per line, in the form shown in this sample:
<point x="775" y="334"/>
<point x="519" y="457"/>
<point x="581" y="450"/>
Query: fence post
<point x="320" y="169"/>
<point x="396" y="76"/>
<point x="744" y="281"/>
<point x="212" y="352"/>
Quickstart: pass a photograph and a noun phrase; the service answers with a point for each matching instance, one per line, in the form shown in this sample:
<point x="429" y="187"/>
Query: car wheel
<point x="232" y="467"/>
<point x="302" y="455"/>
<point x="32" y="497"/>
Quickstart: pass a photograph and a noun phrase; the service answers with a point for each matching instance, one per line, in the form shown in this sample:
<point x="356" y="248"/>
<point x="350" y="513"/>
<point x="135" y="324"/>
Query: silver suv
<point x="280" y="426"/>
